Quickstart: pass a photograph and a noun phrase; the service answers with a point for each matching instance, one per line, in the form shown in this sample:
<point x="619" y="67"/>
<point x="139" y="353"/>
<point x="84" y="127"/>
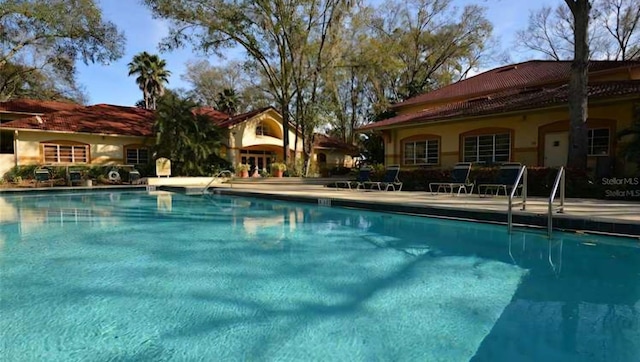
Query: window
<point x="54" y="153"/>
<point x="489" y="149"/>
<point x="262" y="130"/>
<point x="423" y="152"/>
<point x="598" y="142"/>
<point x="137" y="156"/>
<point x="6" y="142"/>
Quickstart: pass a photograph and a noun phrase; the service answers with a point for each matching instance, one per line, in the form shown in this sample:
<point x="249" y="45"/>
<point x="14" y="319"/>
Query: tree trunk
<point x="284" y="108"/>
<point x="578" y="86"/>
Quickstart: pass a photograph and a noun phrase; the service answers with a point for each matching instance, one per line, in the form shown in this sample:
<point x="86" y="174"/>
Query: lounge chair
<point x="390" y="180"/>
<point x="507" y="176"/>
<point x="459" y="180"/>
<point x="43" y="175"/>
<point x="363" y="177"/>
<point x="75" y="177"/>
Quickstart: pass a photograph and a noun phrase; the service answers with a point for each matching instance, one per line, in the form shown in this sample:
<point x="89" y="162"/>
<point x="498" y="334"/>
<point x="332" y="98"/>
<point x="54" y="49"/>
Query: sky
<point x="110" y="83"/>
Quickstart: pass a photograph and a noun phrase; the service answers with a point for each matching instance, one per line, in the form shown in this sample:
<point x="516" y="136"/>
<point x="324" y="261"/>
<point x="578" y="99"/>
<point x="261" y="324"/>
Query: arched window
<point x="262" y="129"/>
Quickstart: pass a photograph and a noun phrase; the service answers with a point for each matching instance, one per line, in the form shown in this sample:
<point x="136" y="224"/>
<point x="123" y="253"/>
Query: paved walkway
<point x="579" y="214"/>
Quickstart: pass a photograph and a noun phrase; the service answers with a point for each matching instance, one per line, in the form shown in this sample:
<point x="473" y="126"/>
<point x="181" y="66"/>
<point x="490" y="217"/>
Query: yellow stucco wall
<point x="243" y="136"/>
<point x="525" y="128"/>
<point x="334" y="158"/>
<point x="102" y="149"/>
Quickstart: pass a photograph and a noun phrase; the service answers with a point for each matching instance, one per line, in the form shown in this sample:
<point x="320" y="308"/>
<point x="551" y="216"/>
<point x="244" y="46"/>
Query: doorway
<point x="556" y="149"/>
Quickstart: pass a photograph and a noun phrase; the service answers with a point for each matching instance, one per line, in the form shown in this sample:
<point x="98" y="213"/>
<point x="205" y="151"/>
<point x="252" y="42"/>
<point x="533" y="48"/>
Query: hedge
<point x="579" y="184"/>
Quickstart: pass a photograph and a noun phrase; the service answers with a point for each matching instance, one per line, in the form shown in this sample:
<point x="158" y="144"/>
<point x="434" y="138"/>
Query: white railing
<point x="559" y="182"/>
<point x="522" y="176"/>
<point x="217" y="176"/>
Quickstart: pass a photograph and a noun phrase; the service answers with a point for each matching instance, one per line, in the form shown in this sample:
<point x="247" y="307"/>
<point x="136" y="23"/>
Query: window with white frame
<point x="57" y="153"/>
<point x="488" y="148"/>
<point x="598" y="142"/>
<point x="137" y="155"/>
<point x="262" y="129"/>
<point x="421" y="152"/>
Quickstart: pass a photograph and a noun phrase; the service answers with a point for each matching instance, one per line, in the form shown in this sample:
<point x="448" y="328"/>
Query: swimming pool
<point x="159" y="276"/>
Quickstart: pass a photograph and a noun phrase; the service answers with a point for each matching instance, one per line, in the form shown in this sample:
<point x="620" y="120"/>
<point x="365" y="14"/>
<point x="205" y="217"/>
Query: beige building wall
<point x="7" y="161"/>
<point x="334" y="158"/>
<point x="243" y="136"/>
<point x="102" y="149"/>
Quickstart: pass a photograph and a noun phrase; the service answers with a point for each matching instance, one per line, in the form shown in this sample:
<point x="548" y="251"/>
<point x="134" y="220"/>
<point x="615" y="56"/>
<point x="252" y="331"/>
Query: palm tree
<point x="152" y="76"/>
<point x="191" y="141"/>
<point x="227" y="101"/>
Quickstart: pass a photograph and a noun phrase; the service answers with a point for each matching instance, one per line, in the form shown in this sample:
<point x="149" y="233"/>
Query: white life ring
<point x="114" y="175"/>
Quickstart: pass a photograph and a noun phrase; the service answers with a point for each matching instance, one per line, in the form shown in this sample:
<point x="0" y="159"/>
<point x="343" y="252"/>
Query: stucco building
<point x="57" y="133"/>
<point x="515" y="113"/>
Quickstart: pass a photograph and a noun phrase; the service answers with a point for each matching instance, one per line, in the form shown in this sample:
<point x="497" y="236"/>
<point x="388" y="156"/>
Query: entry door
<point x="556" y="149"/>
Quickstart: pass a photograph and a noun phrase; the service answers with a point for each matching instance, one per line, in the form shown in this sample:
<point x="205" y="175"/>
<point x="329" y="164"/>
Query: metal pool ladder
<point x="559" y="182"/>
<point x="522" y="176"/>
<point x="217" y="176"/>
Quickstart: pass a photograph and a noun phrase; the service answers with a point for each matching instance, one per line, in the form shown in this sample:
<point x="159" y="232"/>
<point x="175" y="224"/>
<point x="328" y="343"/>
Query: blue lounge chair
<point x="507" y="176"/>
<point x="390" y="180"/>
<point x="459" y="181"/>
<point x="75" y="177"/>
<point x="363" y="177"/>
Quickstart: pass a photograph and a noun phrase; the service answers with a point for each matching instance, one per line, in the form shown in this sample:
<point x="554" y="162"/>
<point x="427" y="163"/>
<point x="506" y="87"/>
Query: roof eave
<point x="414" y="123"/>
<point x="70" y="132"/>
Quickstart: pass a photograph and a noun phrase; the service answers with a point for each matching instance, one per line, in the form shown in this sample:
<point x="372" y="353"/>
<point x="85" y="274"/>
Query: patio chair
<point x="363" y="177"/>
<point x="459" y="180"/>
<point x="390" y="180"/>
<point x="507" y="176"/>
<point x="43" y="175"/>
<point x="75" y="177"/>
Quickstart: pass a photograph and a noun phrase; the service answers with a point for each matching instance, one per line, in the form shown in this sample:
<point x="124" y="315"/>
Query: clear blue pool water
<point x="168" y="277"/>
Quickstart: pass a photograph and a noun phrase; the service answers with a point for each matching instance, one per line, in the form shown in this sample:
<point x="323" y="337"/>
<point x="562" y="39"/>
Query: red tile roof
<point x="244" y="116"/>
<point x="36" y="106"/>
<point x="527" y="74"/>
<point x="509" y="101"/>
<point x="111" y="119"/>
<point x="97" y="119"/>
<point x="324" y="141"/>
<point x="216" y="116"/>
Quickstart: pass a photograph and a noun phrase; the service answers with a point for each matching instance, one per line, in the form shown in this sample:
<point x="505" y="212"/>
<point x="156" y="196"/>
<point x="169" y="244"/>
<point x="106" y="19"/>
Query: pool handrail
<point x="522" y="175"/>
<point x="217" y="176"/>
<point x="559" y="182"/>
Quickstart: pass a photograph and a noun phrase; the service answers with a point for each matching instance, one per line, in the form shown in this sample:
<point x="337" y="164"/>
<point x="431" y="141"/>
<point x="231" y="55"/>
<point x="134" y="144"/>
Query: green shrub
<point x="22" y="172"/>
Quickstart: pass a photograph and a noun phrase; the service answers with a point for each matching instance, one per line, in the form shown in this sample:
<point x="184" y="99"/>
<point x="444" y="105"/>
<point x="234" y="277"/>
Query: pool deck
<point x="605" y="216"/>
<point x="589" y="215"/>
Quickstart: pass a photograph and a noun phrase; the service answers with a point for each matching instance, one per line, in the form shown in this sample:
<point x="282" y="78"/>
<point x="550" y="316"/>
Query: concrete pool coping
<point x="586" y="215"/>
<point x="581" y="215"/>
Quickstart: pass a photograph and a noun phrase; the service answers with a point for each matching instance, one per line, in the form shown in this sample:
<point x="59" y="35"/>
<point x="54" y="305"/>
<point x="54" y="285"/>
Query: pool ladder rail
<point x="219" y="176"/>
<point x="522" y="176"/>
<point x="558" y="183"/>
<point x="558" y="186"/>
